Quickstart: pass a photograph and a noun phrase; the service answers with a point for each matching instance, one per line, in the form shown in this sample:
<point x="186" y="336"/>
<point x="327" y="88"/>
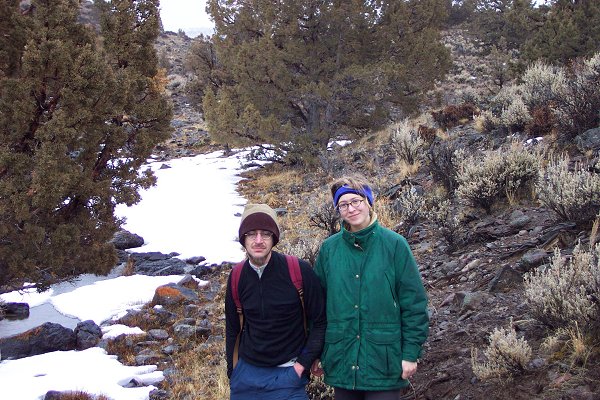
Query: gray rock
<point x="588" y="140"/>
<point x="123" y="240"/>
<point x="43" y="339"/>
<point x="505" y="280"/>
<point x="15" y="310"/>
<point x="158" y="334"/>
<point x="88" y="334"/>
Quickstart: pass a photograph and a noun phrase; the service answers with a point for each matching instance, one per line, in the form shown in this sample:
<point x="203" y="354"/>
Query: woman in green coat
<point x="377" y="317"/>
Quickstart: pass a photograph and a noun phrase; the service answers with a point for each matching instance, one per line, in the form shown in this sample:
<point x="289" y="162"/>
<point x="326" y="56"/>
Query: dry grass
<point x="123" y="348"/>
<point x="201" y="370"/>
<point x="79" y="395"/>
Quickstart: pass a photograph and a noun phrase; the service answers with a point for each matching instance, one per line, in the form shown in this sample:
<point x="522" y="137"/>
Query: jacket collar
<point x="361" y="239"/>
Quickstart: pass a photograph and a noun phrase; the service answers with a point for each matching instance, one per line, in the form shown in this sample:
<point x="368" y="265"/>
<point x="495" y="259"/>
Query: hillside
<point x="473" y="271"/>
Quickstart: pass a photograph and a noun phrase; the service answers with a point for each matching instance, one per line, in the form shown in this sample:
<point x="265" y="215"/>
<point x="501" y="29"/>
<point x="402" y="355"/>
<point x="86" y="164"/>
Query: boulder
<point x="45" y="338"/>
<point x="88" y="334"/>
<point x="123" y="240"/>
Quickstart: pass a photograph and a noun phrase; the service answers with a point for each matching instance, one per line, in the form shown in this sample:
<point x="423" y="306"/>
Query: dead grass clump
<point x="79" y="395"/>
<point x="123" y="346"/>
<point x="454" y="115"/>
<point x="201" y="373"/>
<point x="572" y="346"/>
<point x="385" y="213"/>
<point x="506" y="356"/>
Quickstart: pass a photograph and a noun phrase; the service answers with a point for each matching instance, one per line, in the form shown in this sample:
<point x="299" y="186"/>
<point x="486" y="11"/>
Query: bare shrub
<point x="305" y="247"/>
<point x="542" y="122"/>
<point x="573" y="195"/>
<point x="567" y="291"/>
<point x="484" y="179"/>
<point x="515" y="116"/>
<point x="444" y="164"/>
<point x="410" y="205"/>
<point x="406" y="142"/>
<point x="443" y="214"/>
<point x="578" y="109"/>
<point x="427" y="134"/>
<point x="322" y="215"/>
<point x="542" y="85"/>
<point x="506" y="356"/>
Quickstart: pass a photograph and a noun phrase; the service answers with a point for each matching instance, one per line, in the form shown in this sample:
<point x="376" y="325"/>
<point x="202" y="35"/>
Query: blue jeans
<point x="249" y="382"/>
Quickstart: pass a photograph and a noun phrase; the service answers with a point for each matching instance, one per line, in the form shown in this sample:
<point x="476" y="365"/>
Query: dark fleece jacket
<point x="273" y="322"/>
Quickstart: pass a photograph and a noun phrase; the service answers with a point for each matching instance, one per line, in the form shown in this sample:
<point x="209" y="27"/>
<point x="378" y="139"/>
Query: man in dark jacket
<point x="275" y="352"/>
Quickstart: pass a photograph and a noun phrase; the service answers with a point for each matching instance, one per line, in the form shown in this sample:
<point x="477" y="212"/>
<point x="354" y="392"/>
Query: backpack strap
<point x="235" y="279"/>
<point x="296" y="276"/>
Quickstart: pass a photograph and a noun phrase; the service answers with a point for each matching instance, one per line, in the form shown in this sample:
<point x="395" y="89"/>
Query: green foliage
<point x="305" y="72"/>
<point x="201" y="61"/>
<point x="12" y="38"/>
<point x="569" y="29"/>
<point x="574" y="195"/>
<point x="77" y="123"/>
<point x="510" y="21"/>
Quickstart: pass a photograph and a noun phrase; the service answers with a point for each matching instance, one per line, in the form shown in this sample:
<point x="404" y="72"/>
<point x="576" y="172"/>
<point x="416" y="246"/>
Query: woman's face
<point x="354" y="210"/>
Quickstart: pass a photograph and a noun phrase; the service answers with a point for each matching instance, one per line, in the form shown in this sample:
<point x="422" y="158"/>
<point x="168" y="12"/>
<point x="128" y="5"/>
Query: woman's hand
<point x="409" y="368"/>
<point x="316" y="369"/>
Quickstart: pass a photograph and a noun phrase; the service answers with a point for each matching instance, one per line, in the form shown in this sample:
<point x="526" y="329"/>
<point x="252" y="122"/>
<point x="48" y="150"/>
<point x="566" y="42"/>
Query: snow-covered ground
<point x="193" y="210"/>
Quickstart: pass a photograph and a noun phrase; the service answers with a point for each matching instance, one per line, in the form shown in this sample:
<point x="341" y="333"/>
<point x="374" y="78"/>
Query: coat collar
<point x="361" y="239"/>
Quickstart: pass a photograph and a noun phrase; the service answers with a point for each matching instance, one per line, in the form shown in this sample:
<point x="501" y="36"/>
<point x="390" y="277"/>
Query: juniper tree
<point x="76" y="124"/>
<point x="298" y="73"/>
<point x="570" y="29"/>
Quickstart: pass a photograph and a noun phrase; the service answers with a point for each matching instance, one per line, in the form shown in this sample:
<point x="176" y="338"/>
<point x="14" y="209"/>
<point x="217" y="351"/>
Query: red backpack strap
<point x="235" y="279"/>
<point x="236" y="272"/>
<point x="296" y="275"/>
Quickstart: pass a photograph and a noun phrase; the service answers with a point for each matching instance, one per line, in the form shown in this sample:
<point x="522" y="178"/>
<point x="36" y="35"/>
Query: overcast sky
<point x="187" y="15"/>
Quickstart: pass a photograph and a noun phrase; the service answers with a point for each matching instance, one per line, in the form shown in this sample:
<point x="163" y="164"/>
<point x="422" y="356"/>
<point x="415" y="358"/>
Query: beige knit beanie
<point x="259" y="216"/>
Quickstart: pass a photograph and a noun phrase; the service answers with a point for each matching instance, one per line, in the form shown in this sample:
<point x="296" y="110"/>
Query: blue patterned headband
<point x="366" y="192"/>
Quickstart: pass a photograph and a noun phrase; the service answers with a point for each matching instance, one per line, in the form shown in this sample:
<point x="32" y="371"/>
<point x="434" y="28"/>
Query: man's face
<point x="258" y="244"/>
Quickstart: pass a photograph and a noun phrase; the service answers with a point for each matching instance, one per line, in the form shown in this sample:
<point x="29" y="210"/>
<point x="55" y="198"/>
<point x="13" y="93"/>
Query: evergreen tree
<point x="570" y="29"/>
<point x="297" y="73"/>
<point x="76" y="126"/>
<point x="510" y="20"/>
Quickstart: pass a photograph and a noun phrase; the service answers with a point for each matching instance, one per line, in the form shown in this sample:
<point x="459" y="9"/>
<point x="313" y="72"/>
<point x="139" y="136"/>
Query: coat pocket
<point x="384" y="354"/>
<point x="333" y="353"/>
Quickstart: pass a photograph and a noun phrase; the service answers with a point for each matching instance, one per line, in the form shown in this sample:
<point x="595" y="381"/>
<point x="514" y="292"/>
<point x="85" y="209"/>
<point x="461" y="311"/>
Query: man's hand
<point x="299" y="368"/>
<point x="409" y="368"/>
